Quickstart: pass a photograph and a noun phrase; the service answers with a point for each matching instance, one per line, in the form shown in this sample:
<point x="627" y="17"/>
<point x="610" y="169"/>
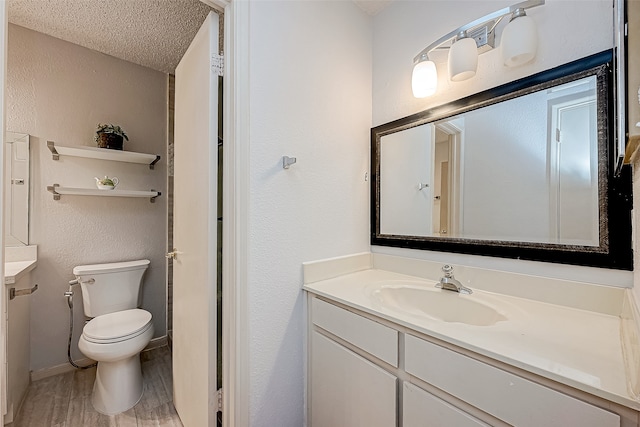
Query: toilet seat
<point x="118" y="326"/>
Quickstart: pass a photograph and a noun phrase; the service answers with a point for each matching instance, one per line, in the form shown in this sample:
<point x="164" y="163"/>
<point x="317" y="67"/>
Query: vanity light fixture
<point x="519" y="44"/>
<point x="424" y="80"/>
<point x="463" y="58"/>
<point x="519" y="40"/>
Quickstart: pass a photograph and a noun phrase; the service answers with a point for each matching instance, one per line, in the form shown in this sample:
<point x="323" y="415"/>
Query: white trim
<point x="217" y="4"/>
<point x="3" y="302"/>
<point x="235" y="334"/>
<point x="157" y="343"/>
<point x="456" y="171"/>
<point x="66" y="367"/>
<point x="58" y="369"/>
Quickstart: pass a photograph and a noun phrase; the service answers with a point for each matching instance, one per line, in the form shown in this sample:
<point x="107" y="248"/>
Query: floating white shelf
<point x="102" y="154"/>
<point x="71" y="191"/>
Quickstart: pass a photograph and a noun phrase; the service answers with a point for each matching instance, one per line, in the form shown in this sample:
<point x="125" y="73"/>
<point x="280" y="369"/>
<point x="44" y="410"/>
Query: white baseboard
<point x="66" y="367"/>
<point x="156" y="343"/>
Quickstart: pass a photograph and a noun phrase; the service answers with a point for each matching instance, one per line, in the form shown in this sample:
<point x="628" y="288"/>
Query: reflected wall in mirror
<point x="16" y="188"/>
<point x="521" y="170"/>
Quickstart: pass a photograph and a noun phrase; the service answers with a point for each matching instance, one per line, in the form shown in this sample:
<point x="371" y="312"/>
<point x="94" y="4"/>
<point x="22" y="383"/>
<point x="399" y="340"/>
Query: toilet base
<point x="118" y="385"/>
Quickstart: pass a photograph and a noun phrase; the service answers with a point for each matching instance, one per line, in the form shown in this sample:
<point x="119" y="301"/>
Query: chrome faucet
<point x="450" y="283"/>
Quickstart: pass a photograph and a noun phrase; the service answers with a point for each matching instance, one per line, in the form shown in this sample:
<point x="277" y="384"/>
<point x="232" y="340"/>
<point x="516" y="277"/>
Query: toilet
<point x="117" y="332"/>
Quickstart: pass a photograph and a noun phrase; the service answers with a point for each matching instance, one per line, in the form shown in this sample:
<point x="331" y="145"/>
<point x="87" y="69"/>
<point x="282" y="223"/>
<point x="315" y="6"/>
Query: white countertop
<point x="576" y="347"/>
<point x="14" y="270"/>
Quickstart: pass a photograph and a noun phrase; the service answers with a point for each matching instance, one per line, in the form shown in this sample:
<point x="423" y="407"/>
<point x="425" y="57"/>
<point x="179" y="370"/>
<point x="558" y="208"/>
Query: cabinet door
<point x="18" y="350"/>
<point x="347" y="390"/>
<point x="422" y="409"/>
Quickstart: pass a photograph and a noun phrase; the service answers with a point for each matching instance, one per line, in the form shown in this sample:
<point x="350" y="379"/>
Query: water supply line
<point x="69" y="295"/>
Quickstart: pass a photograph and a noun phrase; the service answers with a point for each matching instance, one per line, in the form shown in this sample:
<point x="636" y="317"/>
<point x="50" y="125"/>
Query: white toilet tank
<point x="107" y="288"/>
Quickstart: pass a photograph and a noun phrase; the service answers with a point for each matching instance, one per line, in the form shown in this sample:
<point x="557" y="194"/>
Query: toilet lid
<point x="117" y="326"/>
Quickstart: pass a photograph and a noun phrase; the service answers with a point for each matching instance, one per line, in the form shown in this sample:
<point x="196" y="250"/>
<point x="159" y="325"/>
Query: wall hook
<point x="287" y="161"/>
<point x="421" y="186"/>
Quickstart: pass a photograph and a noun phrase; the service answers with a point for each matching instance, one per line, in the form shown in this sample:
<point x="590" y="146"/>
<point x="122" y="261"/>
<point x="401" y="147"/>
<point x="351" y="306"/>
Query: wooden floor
<point x="65" y="400"/>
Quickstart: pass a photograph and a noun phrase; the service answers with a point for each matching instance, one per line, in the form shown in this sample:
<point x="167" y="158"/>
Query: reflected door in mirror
<point x="16" y="188"/>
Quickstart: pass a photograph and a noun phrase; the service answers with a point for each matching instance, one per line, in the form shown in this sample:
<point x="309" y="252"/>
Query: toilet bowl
<point x="117" y="333"/>
<point x="115" y="341"/>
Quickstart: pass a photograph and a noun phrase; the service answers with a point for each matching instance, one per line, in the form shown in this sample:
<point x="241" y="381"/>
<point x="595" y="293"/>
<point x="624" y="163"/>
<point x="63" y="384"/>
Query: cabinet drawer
<point x="372" y="337"/>
<point x="421" y="408"/>
<point x="506" y="396"/>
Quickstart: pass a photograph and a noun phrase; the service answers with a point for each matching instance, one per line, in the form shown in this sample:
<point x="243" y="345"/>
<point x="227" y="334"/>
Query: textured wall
<point x="59" y="91"/>
<point x="311" y="99"/>
<point x="404" y="28"/>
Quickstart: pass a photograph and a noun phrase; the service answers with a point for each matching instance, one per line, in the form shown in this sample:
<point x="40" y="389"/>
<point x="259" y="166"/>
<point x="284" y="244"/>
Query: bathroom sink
<point x="446" y="306"/>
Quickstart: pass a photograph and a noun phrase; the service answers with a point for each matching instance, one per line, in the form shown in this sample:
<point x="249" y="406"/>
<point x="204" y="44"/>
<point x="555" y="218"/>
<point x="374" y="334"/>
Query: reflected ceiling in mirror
<point x="521" y="170"/>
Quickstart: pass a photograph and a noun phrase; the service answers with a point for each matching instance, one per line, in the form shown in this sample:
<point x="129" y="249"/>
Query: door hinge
<point x="217" y="64"/>
<point x="219" y="400"/>
<point x="558" y="135"/>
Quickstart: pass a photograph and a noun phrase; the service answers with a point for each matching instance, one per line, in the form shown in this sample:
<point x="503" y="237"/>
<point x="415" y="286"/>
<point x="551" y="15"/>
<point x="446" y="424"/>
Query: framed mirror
<point x="524" y="170"/>
<point x="16" y="188"/>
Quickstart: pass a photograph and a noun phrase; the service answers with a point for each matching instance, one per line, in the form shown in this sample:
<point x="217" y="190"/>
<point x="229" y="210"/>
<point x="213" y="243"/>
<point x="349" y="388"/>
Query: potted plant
<point x="110" y="136"/>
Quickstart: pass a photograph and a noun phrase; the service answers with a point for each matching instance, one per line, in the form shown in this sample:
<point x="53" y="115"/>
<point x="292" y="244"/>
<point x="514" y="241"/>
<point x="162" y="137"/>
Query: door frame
<point x="555" y="107"/>
<point x="235" y="208"/>
<point x="235" y="211"/>
<point x="456" y="171"/>
<point x="4" y="28"/>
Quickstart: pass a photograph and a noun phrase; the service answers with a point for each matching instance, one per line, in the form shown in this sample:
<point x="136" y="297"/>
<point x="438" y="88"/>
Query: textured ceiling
<point x="372" y="6"/>
<point x="151" y="33"/>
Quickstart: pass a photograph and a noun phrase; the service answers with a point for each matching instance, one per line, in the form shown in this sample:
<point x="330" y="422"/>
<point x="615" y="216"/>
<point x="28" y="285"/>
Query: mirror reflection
<point x="16" y="188"/>
<point x="523" y="170"/>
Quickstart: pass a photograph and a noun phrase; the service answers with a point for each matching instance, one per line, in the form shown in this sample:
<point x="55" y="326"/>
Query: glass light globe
<point x="519" y="41"/>
<point x="463" y="59"/>
<point x="424" y="80"/>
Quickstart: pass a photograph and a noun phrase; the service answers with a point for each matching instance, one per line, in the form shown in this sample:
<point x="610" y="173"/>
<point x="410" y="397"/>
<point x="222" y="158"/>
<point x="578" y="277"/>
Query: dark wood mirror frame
<point x="615" y="192"/>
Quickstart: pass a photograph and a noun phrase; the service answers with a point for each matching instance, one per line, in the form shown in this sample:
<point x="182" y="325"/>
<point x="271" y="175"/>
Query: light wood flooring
<point x="65" y="400"/>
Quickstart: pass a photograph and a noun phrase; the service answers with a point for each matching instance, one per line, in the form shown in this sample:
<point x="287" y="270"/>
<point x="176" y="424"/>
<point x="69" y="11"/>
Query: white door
<point x="3" y="325"/>
<point x="406" y="181"/>
<point x="573" y="172"/>
<point x="195" y="230"/>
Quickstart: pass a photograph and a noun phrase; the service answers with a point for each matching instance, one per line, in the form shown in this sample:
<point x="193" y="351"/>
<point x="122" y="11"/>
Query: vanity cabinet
<point x="420" y="408"/>
<point x="366" y="371"/>
<point x="508" y="397"/>
<point x="17" y="313"/>
<point x="343" y="381"/>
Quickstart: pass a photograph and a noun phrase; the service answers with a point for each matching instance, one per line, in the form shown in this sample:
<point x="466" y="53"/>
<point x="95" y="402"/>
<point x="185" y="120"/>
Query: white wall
<point x="633" y="12"/>
<point x="568" y="30"/>
<point x="633" y="52"/>
<point x="59" y="91"/>
<point x="505" y="171"/>
<point x="311" y="99"/>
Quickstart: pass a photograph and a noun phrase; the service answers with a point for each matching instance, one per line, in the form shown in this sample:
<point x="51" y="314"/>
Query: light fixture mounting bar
<point x="498" y="14"/>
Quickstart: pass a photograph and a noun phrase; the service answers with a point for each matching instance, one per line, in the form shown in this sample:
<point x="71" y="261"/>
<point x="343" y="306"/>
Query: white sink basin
<point x="447" y="306"/>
